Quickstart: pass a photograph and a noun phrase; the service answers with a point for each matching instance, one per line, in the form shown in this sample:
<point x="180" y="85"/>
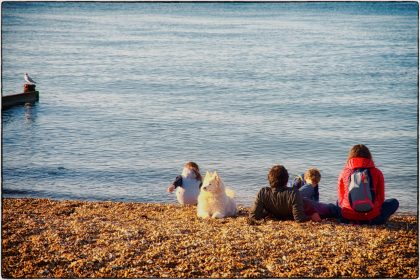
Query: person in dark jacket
<point x="281" y="202"/>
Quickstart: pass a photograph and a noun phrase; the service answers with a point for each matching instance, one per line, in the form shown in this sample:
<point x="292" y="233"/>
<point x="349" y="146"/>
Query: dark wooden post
<point x="28" y="87"/>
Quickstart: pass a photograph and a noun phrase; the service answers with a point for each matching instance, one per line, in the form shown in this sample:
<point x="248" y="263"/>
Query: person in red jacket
<point x="380" y="209"/>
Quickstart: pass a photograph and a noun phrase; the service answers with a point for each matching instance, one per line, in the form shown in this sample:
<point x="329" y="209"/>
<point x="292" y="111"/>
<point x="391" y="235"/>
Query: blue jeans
<point x="387" y="209"/>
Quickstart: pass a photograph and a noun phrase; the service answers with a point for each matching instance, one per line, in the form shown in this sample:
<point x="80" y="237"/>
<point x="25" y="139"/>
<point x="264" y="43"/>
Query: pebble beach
<point x="44" y="238"/>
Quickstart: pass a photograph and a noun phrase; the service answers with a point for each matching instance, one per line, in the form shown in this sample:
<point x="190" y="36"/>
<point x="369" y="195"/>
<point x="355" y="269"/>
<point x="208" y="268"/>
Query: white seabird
<point x="28" y="79"/>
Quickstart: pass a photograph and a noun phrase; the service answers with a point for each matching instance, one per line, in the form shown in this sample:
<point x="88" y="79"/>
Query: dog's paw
<point x="218" y="215"/>
<point x="203" y="215"/>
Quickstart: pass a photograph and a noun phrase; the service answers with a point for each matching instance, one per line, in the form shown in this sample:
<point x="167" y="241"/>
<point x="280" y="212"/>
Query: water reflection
<point x="29" y="116"/>
<point x="20" y="115"/>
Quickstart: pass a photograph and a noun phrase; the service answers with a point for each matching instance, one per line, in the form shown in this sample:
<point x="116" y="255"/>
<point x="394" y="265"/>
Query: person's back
<point x="279" y="201"/>
<point x="360" y="158"/>
<point x="309" y="192"/>
<point x="282" y="203"/>
<point x="188" y="193"/>
<point x="378" y="184"/>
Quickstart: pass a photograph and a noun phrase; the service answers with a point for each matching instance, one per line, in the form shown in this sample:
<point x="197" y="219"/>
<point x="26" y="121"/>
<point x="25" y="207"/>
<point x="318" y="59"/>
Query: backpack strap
<point x="372" y="189"/>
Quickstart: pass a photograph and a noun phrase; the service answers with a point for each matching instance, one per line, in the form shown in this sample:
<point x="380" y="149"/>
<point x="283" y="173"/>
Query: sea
<point x="130" y="91"/>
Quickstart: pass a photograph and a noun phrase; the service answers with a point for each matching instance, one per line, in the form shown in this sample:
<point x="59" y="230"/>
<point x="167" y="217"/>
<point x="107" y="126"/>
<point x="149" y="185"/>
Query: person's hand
<point x="254" y="222"/>
<point x="315" y="217"/>
<point x="171" y="188"/>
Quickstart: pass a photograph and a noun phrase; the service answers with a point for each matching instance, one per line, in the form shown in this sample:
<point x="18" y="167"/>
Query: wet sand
<point x="44" y="238"/>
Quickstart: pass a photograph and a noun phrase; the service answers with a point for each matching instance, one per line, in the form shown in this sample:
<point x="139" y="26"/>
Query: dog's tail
<point x="230" y="193"/>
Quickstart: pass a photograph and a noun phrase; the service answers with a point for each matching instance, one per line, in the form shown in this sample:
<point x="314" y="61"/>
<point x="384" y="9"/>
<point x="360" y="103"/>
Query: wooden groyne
<point x="29" y="95"/>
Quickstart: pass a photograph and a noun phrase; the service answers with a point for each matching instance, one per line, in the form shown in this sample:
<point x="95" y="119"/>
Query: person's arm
<point x="176" y="183"/>
<point x="340" y="190"/>
<point x="316" y="194"/>
<point x="257" y="212"/>
<point x="380" y="188"/>
<point x="297" y="207"/>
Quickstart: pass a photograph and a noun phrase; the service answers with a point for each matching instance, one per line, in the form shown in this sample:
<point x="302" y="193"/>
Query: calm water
<point x="132" y="91"/>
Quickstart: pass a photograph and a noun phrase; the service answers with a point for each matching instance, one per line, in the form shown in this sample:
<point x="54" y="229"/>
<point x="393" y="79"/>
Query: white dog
<point x="214" y="200"/>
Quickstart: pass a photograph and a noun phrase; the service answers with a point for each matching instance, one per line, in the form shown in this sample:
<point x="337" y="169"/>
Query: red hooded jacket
<point x="343" y="192"/>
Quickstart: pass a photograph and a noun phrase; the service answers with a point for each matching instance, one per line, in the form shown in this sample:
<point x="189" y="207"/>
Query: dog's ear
<point x="216" y="176"/>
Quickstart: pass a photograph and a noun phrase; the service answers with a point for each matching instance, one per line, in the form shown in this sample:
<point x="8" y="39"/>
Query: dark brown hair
<point x="278" y="176"/>
<point x="194" y="167"/>
<point x="359" y="150"/>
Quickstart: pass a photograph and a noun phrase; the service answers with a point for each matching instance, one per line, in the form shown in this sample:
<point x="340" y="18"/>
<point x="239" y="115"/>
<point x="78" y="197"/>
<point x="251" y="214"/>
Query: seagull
<point x="28" y="79"/>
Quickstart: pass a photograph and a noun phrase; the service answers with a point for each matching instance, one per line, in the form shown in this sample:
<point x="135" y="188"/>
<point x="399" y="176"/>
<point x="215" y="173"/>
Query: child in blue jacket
<point x="310" y="187"/>
<point x="307" y="184"/>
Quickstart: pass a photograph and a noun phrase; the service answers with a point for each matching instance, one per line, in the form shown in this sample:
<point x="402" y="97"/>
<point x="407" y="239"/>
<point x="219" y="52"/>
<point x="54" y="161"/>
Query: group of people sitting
<point x="361" y="193"/>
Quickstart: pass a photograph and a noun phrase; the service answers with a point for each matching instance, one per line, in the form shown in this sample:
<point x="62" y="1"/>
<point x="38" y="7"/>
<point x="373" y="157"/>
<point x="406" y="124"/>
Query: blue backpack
<point x="361" y="192"/>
